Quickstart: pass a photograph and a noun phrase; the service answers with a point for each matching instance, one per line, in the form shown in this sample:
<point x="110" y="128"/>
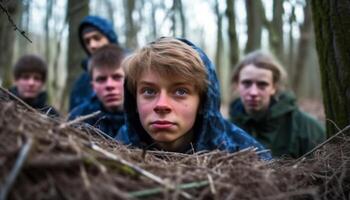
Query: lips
<point x="110" y="98"/>
<point x="162" y="124"/>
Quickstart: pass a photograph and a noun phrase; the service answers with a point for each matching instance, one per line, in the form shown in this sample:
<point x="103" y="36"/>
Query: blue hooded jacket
<point x="81" y="90"/>
<point x="107" y="122"/>
<point x="211" y="129"/>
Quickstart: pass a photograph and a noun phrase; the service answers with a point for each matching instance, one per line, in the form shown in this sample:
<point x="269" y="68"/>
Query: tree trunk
<point x="303" y="48"/>
<point x="276" y="31"/>
<point x="50" y="80"/>
<point x="131" y="30"/>
<point x="232" y="34"/>
<point x="332" y="25"/>
<point x="76" y="11"/>
<point x="254" y="22"/>
<point x="7" y="36"/>
<point x="182" y="18"/>
<point x="219" y="42"/>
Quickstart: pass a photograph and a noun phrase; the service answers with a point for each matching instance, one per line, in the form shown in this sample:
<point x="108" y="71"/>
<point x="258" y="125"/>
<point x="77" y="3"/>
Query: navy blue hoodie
<point x="212" y="131"/>
<point x="81" y="90"/>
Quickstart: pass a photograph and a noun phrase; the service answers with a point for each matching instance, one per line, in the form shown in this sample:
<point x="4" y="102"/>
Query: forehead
<point x="93" y="34"/>
<point x="251" y="72"/>
<point x="156" y="79"/>
<point x="30" y="74"/>
<point x="106" y="71"/>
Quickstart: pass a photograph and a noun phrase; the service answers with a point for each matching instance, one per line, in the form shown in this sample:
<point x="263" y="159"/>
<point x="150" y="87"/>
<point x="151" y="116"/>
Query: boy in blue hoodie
<point x="94" y="33"/>
<point x="107" y="79"/>
<point x="172" y="102"/>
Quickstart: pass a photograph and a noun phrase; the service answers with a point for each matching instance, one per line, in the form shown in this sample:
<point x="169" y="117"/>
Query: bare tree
<point x="131" y="28"/>
<point x="276" y="30"/>
<point x="219" y="43"/>
<point x="303" y="47"/>
<point x="254" y="9"/>
<point x="232" y="34"/>
<point x="76" y="11"/>
<point x="7" y="36"/>
<point x="331" y="25"/>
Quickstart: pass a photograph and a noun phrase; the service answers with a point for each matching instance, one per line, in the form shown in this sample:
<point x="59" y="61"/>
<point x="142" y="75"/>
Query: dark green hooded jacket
<point x="284" y="129"/>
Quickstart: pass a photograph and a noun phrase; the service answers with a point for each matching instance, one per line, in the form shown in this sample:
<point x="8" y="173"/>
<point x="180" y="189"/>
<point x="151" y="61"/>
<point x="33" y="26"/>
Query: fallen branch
<point x="79" y="119"/>
<point x="18" y="99"/>
<point x="11" y="178"/>
<point x="157" y="190"/>
<point x="321" y="145"/>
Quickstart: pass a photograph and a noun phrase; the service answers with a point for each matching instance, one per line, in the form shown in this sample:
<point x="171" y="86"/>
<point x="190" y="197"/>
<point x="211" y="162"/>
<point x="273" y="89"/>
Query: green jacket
<point x="284" y="129"/>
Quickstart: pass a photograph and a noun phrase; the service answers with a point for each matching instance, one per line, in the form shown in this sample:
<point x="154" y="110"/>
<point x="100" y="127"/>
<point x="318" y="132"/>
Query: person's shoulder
<point x="82" y="109"/>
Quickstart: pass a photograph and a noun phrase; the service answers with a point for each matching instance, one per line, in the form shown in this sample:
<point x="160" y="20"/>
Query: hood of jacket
<point x="211" y="130"/>
<point x="104" y="26"/>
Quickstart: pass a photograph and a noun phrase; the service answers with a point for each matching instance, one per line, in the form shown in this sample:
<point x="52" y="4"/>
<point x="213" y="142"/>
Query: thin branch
<point x="18" y="99"/>
<point x="79" y="119"/>
<point x="157" y="190"/>
<point x="15" y="28"/>
<point x="321" y="145"/>
<point x="136" y="168"/>
<point x="11" y="178"/>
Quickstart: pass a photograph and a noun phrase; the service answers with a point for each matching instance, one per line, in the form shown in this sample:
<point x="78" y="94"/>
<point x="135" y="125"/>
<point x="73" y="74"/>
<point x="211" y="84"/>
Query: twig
<point x="211" y="183"/>
<point x="136" y="168"/>
<point x="22" y="32"/>
<point x="157" y="190"/>
<point x="321" y="145"/>
<point x="79" y="119"/>
<point x="18" y="99"/>
<point x="11" y="178"/>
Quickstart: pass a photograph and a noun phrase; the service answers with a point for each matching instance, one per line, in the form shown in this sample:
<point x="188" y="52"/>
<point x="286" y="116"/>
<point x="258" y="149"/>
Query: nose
<point x="110" y="84"/>
<point x="162" y="105"/>
<point x="254" y="90"/>
<point x="93" y="44"/>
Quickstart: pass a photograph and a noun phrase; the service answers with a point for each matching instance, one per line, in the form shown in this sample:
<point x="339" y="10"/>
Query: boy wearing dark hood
<point x="94" y="33"/>
<point x="268" y="112"/>
<point x="107" y="79"/>
<point x="30" y="75"/>
<point x="172" y="102"/>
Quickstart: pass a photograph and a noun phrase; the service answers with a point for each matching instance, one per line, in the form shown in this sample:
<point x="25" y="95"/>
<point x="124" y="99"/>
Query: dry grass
<point x="40" y="158"/>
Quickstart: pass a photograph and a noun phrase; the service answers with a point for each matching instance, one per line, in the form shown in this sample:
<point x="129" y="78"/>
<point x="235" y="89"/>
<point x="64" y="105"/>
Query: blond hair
<point x="262" y="60"/>
<point x="167" y="57"/>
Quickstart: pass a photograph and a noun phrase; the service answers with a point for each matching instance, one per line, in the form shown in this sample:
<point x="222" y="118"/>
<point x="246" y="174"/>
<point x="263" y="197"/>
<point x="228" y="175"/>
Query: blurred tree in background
<point x="226" y="30"/>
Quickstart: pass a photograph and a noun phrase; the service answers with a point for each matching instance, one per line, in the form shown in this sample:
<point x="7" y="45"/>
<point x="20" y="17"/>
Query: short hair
<point x="262" y="60"/>
<point x="167" y="57"/>
<point x="30" y="64"/>
<point x="108" y="56"/>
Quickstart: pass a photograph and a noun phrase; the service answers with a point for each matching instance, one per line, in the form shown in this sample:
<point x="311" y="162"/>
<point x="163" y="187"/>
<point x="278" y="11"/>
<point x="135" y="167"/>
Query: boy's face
<point x="167" y="107"/>
<point x="94" y="40"/>
<point x="256" y="88"/>
<point x="29" y="85"/>
<point x="108" y="86"/>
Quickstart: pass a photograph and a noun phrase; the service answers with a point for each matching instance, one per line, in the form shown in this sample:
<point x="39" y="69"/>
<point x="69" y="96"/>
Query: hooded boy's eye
<point x="181" y="91"/>
<point x="147" y="91"/>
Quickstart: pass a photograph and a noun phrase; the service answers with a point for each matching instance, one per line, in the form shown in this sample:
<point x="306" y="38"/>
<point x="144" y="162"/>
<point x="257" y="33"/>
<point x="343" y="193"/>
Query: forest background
<point x="225" y="29"/>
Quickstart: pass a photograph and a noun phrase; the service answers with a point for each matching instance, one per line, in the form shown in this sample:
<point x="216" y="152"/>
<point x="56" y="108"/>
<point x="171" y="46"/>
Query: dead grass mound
<point x="44" y="158"/>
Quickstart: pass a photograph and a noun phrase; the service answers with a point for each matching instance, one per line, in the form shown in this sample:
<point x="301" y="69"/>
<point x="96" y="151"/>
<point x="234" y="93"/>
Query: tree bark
<point x="276" y="32"/>
<point x="7" y="36"/>
<point x="303" y="48"/>
<point x="232" y="34"/>
<point x="219" y="42"/>
<point x="131" y="29"/>
<point x="254" y="22"/>
<point x="76" y="11"/>
<point x="332" y="25"/>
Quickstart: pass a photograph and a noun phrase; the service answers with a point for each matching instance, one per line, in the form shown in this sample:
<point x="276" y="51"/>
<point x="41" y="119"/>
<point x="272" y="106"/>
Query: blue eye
<point x="148" y="91"/>
<point x="181" y="91"/>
